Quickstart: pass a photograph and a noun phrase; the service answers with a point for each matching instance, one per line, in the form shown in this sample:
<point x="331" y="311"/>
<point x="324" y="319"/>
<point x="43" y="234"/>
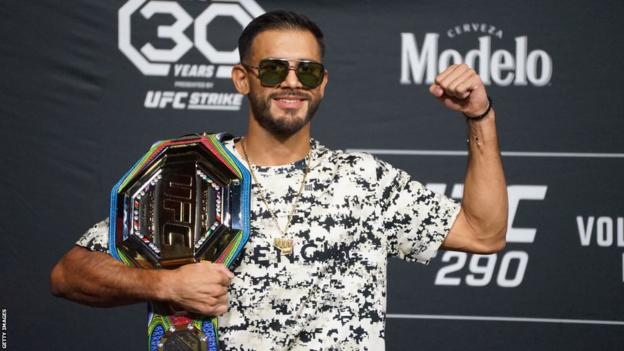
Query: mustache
<point x="290" y="93"/>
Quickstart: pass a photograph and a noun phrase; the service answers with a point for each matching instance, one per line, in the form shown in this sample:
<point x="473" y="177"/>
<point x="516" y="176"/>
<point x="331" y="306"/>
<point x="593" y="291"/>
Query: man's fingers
<point x="440" y="78"/>
<point x="225" y="270"/>
<point x="223" y="275"/>
<point x="202" y="288"/>
<point x="454" y="85"/>
<point x="208" y="305"/>
<point x="447" y="79"/>
<point x="217" y="272"/>
<point x="457" y="81"/>
<point x="222" y="300"/>
<point x="219" y="310"/>
<point x="464" y="88"/>
<point x="460" y="88"/>
<point x="216" y="290"/>
<point x="220" y="278"/>
<point x="213" y="310"/>
<point x="436" y="90"/>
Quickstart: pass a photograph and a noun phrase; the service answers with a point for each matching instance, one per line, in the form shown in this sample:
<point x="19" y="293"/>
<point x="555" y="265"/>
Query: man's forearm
<point x="97" y="279"/>
<point x="485" y="191"/>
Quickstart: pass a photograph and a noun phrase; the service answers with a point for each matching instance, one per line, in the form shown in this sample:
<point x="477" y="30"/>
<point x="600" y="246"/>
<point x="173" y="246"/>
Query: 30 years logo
<point x="197" y="41"/>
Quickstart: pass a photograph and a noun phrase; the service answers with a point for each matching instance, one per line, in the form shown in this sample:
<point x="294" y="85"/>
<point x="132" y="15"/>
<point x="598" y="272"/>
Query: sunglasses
<point x="274" y="71"/>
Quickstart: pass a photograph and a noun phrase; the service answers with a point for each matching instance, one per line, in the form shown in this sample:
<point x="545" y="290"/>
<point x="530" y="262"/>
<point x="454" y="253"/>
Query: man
<point x="323" y="222"/>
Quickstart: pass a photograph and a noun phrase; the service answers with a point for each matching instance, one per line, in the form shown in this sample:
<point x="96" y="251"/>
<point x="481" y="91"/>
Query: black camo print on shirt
<point x="354" y="212"/>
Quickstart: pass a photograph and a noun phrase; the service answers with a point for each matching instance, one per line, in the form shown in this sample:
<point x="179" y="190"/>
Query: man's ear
<point x="240" y="79"/>
<point x="324" y="83"/>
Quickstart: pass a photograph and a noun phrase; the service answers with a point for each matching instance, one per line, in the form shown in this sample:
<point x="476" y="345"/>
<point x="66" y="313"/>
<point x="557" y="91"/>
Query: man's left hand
<point x="460" y="88"/>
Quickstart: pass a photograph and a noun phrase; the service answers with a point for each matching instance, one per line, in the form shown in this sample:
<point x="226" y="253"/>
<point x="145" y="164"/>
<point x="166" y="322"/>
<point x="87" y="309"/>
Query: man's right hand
<point x="198" y="287"/>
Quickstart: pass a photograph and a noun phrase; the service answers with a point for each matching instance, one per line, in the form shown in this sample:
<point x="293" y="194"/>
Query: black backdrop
<point x="81" y="99"/>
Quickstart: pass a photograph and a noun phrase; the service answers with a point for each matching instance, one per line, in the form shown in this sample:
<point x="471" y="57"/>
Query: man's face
<point x="287" y="107"/>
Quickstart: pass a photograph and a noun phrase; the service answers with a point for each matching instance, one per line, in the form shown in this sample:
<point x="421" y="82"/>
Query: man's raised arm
<point x="482" y="221"/>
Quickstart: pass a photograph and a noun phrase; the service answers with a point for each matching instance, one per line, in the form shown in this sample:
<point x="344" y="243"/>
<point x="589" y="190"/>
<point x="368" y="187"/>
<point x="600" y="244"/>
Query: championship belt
<point x="185" y="201"/>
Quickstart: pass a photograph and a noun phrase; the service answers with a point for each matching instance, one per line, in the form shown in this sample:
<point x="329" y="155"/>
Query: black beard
<point x="262" y="114"/>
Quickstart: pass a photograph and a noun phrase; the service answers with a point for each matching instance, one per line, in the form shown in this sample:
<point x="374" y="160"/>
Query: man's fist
<point x="198" y="287"/>
<point x="460" y="88"/>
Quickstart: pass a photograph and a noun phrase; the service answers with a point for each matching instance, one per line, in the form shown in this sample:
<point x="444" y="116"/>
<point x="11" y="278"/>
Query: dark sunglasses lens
<point x="310" y="74"/>
<point x="272" y="72"/>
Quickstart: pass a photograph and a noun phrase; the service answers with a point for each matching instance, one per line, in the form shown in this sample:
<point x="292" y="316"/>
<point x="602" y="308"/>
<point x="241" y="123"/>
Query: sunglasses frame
<point x="290" y="68"/>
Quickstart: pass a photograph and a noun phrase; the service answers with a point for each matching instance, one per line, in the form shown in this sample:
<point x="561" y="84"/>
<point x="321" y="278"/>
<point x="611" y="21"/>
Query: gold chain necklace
<point x="284" y="244"/>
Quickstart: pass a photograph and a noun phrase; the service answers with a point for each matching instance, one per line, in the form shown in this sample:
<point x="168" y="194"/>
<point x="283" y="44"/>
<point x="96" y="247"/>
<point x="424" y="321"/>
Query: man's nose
<point x="291" y="80"/>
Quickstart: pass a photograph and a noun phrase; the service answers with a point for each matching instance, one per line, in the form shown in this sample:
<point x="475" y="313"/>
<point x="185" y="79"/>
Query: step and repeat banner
<point x="88" y="85"/>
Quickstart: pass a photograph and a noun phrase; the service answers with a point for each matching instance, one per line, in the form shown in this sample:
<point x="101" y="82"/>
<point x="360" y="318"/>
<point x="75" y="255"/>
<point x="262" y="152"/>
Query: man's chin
<point x="287" y="128"/>
<point x="289" y="118"/>
<point x="283" y="126"/>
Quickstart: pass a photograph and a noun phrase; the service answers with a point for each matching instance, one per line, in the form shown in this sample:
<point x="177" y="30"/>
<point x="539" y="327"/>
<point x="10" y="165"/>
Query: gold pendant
<point x="285" y="246"/>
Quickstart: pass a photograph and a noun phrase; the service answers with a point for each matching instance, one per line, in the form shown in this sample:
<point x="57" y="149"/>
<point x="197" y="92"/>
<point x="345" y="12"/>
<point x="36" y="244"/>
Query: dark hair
<point x="277" y="20"/>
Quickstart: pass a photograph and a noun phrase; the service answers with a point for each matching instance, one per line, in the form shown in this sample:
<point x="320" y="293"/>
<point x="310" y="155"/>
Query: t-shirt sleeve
<point x="96" y="238"/>
<point x="415" y="219"/>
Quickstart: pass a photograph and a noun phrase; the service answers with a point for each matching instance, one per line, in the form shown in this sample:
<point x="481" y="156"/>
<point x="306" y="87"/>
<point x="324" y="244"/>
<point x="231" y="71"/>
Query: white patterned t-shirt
<point x="354" y="212"/>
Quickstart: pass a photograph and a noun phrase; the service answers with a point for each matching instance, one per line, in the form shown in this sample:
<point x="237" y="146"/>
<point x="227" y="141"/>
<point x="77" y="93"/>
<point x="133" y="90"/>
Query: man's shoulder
<point x="96" y="238"/>
<point x="344" y="157"/>
<point x="358" y="163"/>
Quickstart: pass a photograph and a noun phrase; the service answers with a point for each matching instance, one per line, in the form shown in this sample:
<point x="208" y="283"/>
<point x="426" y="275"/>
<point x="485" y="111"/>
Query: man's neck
<point x="266" y="149"/>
